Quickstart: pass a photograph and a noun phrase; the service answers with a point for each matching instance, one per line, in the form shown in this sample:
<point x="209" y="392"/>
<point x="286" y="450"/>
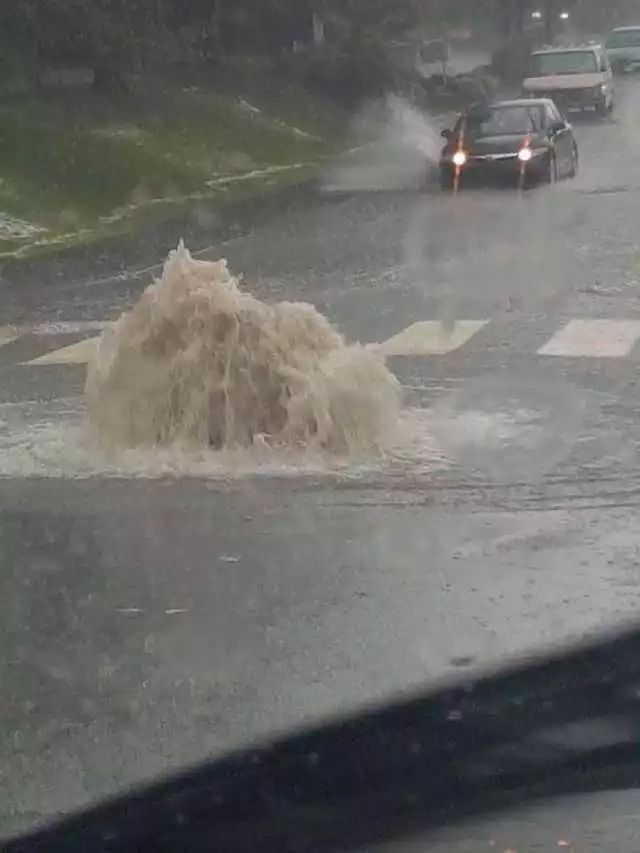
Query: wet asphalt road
<point x="150" y="623"/>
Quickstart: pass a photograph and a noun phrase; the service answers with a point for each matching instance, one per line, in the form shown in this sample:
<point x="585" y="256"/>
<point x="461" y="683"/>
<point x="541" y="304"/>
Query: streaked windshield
<point x="372" y="426"/>
<point x="563" y="62"/>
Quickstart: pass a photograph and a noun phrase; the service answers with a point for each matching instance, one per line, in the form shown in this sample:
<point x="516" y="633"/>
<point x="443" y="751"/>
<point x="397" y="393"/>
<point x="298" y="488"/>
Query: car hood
<point x="563" y="81"/>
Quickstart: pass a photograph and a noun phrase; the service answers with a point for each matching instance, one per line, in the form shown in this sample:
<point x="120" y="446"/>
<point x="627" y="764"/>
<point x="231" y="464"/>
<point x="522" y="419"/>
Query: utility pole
<point x="512" y="15"/>
<point x="551" y="13"/>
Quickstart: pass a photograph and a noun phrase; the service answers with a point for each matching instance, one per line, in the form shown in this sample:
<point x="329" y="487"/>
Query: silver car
<point x="575" y="78"/>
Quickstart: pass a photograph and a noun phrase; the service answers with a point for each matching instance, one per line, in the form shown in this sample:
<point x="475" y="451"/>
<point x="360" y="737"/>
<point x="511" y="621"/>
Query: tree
<point x="112" y="35"/>
<point x="551" y="12"/>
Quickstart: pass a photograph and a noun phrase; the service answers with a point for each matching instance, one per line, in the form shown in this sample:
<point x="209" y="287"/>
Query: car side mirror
<point x="446" y="134"/>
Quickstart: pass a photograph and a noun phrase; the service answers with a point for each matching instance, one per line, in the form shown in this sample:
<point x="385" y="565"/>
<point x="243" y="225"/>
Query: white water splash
<point x="509" y="427"/>
<point x="51" y="440"/>
<point x="199" y="363"/>
<point x="400" y="146"/>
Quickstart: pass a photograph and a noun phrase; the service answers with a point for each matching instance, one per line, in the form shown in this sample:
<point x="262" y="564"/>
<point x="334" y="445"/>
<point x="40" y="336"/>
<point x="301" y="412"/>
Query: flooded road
<point x="168" y="606"/>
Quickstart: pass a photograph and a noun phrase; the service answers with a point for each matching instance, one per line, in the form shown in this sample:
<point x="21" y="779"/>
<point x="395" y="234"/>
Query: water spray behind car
<point x="395" y="148"/>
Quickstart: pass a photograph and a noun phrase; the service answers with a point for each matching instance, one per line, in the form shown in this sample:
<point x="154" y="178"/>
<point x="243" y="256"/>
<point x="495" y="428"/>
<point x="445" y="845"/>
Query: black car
<point x="525" y="141"/>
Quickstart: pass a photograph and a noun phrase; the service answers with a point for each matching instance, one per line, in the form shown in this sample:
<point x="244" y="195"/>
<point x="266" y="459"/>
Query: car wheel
<point x="446" y="180"/>
<point x="575" y="162"/>
<point x="551" y="175"/>
<point x="602" y="108"/>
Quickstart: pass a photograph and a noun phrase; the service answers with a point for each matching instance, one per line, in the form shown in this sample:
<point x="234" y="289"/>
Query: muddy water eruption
<point x="199" y="362"/>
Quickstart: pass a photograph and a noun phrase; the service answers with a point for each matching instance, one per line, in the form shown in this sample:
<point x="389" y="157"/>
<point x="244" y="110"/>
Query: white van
<point x="576" y="78"/>
<point x="623" y="48"/>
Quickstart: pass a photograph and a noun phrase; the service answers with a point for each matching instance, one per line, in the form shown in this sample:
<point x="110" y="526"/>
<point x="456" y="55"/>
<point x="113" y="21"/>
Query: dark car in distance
<point x="524" y="141"/>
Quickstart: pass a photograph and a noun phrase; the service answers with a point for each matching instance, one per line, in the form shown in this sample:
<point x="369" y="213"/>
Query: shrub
<point x="348" y="71"/>
<point x="470" y="88"/>
<point x="510" y="61"/>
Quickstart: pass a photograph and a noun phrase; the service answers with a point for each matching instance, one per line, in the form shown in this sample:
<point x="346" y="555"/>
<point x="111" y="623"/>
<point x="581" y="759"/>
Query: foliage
<point x="113" y="36"/>
<point x="71" y="164"/>
<point x="117" y="38"/>
<point x="347" y="70"/>
<point x="112" y="32"/>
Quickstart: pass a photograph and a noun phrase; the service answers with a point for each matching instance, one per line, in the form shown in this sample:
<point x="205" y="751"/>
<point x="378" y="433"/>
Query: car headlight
<point x="526" y="154"/>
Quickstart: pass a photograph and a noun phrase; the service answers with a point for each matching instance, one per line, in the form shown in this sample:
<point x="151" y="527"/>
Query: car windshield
<point x="505" y="121"/>
<point x="563" y="62"/>
<point x="306" y="400"/>
<point x="624" y="38"/>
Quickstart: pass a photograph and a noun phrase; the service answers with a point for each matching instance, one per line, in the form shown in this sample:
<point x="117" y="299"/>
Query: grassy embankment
<point x="76" y="167"/>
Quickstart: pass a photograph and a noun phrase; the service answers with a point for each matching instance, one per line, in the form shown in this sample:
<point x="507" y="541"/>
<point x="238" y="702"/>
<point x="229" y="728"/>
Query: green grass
<point x="74" y="166"/>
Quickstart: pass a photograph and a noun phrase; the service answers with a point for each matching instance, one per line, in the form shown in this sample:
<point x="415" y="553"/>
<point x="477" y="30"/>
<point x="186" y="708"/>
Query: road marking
<point x="62" y="327"/>
<point x="81" y="353"/>
<point x="8" y="334"/>
<point x="594" y="339"/>
<point x="430" y="337"/>
<point x="579" y="338"/>
<point x="67" y="327"/>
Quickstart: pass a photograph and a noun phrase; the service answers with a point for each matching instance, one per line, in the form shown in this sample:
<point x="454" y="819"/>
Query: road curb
<point x="135" y="256"/>
<point x="131" y="257"/>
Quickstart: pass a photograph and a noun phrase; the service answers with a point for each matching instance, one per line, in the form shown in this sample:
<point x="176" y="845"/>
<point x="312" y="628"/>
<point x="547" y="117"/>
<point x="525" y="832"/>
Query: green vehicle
<point x="623" y="49"/>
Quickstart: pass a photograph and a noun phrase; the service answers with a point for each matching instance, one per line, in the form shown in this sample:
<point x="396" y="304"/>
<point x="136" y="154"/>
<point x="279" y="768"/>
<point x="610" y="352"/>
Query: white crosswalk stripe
<point x="431" y="337"/>
<point x="583" y="338"/>
<point x="578" y="338"/>
<point x="81" y="353"/>
<point x="8" y="334"/>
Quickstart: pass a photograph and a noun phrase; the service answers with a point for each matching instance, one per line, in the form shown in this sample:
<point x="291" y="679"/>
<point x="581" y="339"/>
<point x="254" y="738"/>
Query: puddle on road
<point x="510" y="427"/>
<point x="52" y="440"/>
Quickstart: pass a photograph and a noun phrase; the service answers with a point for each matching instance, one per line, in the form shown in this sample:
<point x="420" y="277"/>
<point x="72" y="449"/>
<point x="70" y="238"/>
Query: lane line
<point x="582" y="338"/>
<point x="9" y="334"/>
<point x="56" y="327"/>
<point x="67" y="327"/>
<point x="430" y="337"/>
<point x="579" y="338"/>
<point x="80" y="353"/>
